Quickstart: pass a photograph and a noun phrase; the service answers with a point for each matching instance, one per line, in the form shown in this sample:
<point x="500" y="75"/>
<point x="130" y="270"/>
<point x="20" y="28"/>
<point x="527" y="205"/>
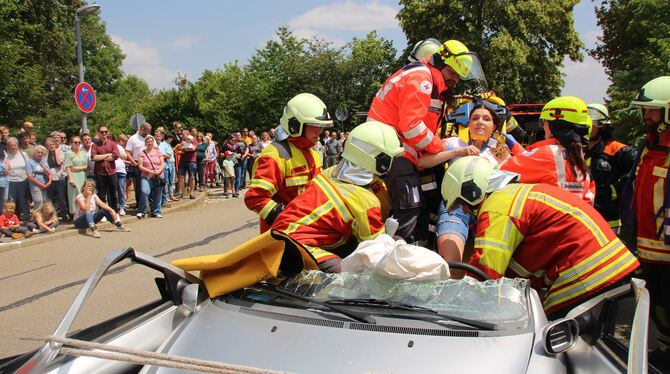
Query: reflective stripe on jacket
<point x="280" y="175"/>
<point x="329" y="214"/>
<point x="553" y="238"/>
<point x="545" y="162"/>
<point x="410" y="101"/>
<point x="645" y="198"/>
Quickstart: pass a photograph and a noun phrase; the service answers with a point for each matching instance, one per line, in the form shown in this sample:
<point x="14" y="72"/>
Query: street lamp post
<point x="85" y="10"/>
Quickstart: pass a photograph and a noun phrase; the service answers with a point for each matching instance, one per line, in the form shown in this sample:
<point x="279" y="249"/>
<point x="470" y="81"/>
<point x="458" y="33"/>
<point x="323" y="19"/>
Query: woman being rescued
<point x="484" y="137"/>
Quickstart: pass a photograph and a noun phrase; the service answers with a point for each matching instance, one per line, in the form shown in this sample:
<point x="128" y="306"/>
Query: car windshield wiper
<point x="357" y="316"/>
<point x="482" y="325"/>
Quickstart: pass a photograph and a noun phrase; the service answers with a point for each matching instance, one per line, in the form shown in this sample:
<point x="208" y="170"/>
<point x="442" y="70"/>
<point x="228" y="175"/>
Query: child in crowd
<point x="45" y="219"/>
<point x="10" y="225"/>
<point x="229" y="175"/>
<point x="187" y="142"/>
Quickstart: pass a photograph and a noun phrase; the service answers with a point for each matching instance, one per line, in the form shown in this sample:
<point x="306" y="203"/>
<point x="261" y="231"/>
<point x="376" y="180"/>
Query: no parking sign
<point x="85" y="97"/>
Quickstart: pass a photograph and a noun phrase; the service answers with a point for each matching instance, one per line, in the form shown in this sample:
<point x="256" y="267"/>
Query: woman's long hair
<point x="571" y="137"/>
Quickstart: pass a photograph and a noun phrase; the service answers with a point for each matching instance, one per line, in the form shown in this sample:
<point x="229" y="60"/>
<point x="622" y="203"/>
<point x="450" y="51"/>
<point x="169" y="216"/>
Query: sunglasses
<point x="104" y="132"/>
<point x="76" y="142"/>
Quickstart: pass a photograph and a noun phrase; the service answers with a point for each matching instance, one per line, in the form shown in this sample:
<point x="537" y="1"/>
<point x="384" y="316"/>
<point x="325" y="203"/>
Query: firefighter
<point x="412" y="102"/>
<point x="646" y="206"/>
<point x="559" y="159"/>
<point x="340" y="204"/>
<point x="539" y="232"/>
<point x="286" y="166"/>
<point x="609" y="162"/>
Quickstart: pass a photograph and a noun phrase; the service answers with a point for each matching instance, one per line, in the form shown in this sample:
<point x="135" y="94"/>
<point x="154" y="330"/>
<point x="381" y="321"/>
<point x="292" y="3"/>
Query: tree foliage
<point x="38" y="61"/>
<point x="522" y="44"/>
<point x="634" y="48"/>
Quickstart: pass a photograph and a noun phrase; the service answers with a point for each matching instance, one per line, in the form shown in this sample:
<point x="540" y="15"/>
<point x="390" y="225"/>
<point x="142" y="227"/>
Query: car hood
<point x="285" y="339"/>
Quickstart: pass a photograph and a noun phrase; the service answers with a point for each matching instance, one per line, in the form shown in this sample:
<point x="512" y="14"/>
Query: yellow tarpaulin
<point x="272" y="256"/>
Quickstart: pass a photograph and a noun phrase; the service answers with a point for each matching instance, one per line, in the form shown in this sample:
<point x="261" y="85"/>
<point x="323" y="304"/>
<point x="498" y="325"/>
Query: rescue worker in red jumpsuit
<point x="340" y="207"/>
<point x="412" y="101"/>
<point x="646" y="206"/>
<point x="285" y="167"/>
<point x="609" y="162"/>
<point x="559" y="160"/>
<point x="539" y="232"/>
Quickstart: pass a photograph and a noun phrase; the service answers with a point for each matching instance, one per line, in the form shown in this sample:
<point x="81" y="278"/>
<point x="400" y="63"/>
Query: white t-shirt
<point x="120" y="165"/>
<point x="78" y="211"/>
<point x="135" y="145"/>
<point x="456" y="143"/>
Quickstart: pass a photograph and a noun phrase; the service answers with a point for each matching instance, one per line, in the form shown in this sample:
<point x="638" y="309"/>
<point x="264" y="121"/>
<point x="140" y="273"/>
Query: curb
<point x="69" y="229"/>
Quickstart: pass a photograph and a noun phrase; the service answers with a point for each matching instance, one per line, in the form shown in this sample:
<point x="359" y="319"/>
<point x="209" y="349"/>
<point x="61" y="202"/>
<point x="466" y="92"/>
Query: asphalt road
<point x="39" y="282"/>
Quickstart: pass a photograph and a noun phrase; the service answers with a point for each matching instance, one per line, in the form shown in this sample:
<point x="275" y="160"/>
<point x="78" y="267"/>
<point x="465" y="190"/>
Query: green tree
<point x="522" y="44"/>
<point x="634" y="48"/>
<point x="38" y="58"/>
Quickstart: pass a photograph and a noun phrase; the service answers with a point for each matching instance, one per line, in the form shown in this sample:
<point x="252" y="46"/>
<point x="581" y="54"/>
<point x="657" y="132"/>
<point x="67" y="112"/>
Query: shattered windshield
<point x="501" y="301"/>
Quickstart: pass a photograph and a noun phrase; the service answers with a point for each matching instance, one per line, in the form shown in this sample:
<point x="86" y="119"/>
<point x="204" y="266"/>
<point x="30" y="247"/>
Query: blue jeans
<point x="58" y="192"/>
<point x="243" y="181"/>
<point x="149" y="187"/>
<point x="17" y="194"/>
<point x="455" y="222"/>
<point x="239" y="176"/>
<point x="121" y="189"/>
<point x="169" y="179"/>
<point x="87" y="219"/>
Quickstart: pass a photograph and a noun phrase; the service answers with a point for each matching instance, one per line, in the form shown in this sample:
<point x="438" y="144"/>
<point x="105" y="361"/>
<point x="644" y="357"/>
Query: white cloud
<point x="347" y="16"/>
<point x="185" y="41"/>
<point x="143" y="60"/>
<point x="586" y="80"/>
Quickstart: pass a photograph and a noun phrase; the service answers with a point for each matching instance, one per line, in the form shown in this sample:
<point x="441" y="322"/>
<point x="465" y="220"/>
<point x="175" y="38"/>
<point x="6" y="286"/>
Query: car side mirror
<point x="560" y="336"/>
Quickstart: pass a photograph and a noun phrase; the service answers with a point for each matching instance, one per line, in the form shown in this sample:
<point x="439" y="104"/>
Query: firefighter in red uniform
<point x="412" y="101"/>
<point x="539" y="232"/>
<point x="646" y="206"/>
<point x="609" y="161"/>
<point x="341" y="204"/>
<point x="285" y="167"/>
<point x="559" y="160"/>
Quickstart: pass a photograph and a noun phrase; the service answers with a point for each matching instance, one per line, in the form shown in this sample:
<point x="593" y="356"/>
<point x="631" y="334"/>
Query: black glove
<point x="273" y="214"/>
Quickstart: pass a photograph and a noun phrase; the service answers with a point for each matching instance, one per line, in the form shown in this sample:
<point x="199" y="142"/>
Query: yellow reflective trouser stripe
<point x="653" y="256"/>
<point x="588" y="283"/>
<point x="338" y="243"/>
<point x="519" y="201"/>
<point x="317" y="252"/>
<point x="485" y="242"/>
<point x="294" y="181"/>
<point x="327" y="188"/>
<point x="656" y="244"/>
<point x="572" y="211"/>
<point x="589" y="263"/>
<point x="311" y="217"/>
<point x="372" y="236"/>
<point x="614" y="223"/>
<point x="260" y="183"/>
<point x="514" y="265"/>
<point x="660" y="171"/>
<point x="267" y="208"/>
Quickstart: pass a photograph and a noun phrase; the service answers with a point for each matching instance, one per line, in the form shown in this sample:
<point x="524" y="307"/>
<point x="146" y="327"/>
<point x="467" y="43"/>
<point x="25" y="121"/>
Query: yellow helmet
<point x="372" y="145"/>
<point x="304" y="109"/>
<point x="571" y="114"/>
<point x="424" y="49"/>
<point x="458" y="57"/>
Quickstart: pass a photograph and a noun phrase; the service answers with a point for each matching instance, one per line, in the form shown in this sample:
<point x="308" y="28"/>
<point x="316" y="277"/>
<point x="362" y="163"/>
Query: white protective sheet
<point x="396" y="259"/>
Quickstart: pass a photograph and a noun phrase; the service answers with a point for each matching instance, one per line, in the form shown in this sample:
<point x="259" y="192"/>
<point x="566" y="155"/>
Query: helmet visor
<point x="468" y="67"/>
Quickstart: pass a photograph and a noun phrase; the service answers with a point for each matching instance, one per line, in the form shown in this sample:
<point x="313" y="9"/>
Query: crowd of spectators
<point x="89" y="177"/>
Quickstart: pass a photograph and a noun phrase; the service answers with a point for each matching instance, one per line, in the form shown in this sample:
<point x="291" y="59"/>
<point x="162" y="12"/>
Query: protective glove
<point x="270" y="218"/>
<point x="510" y="141"/>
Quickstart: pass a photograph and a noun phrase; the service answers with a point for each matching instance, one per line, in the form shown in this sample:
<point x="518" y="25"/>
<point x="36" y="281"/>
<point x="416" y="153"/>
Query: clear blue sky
<point x="161" y="38"/>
